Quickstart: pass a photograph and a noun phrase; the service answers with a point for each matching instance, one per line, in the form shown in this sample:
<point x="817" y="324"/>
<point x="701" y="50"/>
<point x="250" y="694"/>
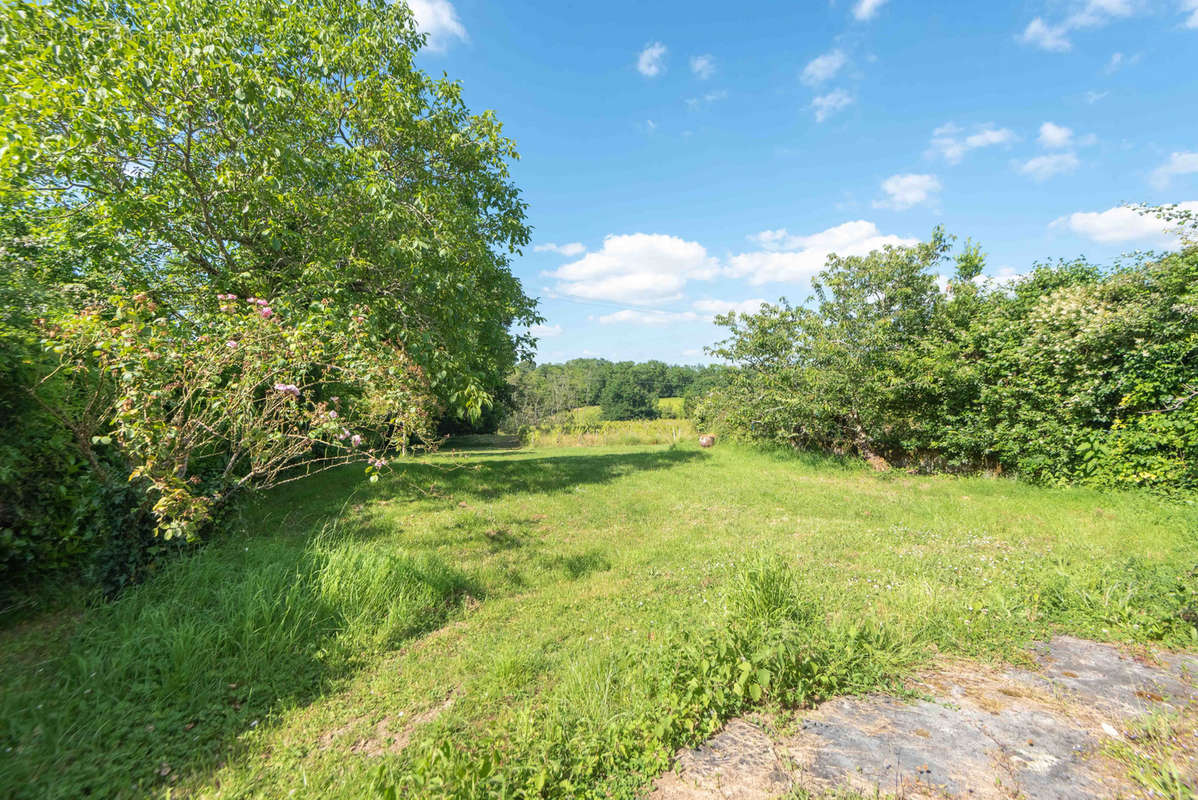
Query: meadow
<point x="512" y="621"/>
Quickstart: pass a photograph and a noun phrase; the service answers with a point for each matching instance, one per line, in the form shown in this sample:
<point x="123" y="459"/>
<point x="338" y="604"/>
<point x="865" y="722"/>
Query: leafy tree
<point x="1071" y="374"/>
<point x="269" y="150"/>
<point x="624" y="398"/>
<point x="183" y="151"/>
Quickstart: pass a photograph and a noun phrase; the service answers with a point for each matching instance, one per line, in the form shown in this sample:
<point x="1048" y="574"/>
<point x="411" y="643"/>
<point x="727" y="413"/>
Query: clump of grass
<point x="600" y="732"/>
<point x="161" y="679"/>
<point x="1151" y="751"/>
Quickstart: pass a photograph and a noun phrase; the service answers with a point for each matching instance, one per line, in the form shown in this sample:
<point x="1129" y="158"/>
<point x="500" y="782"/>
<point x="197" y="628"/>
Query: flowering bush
<point x="246" y="396"/>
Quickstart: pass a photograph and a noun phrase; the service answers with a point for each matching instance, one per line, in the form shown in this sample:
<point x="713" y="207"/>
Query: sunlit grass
<point x="479" y="620"/>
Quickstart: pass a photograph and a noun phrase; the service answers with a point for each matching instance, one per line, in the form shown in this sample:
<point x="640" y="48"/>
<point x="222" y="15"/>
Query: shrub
<point x="1072" y="374"/>
<point x="244" y="397"/>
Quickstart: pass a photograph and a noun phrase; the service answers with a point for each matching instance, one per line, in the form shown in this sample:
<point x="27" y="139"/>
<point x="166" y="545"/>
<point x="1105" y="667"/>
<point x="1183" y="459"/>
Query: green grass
<point x="670" y="407"/>
<point x="558" y="621"/>
<point x="610" y="433"/>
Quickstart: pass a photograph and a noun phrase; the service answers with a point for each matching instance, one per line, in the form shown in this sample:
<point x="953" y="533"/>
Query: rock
<point x="706" y="440"/>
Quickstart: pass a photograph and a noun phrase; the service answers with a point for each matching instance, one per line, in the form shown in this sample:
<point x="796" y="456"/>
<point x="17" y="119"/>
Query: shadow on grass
<point x="162" y="683"/>
<point x="300" y="508"/>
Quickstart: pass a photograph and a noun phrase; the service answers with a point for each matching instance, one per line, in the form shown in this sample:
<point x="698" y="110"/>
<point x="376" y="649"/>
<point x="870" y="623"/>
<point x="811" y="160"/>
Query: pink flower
<point x="232" y="345"/>
<point x="356" y="440"/>
<point x="332" y="415"/>
<point x="266" y="312"/>
<point x="288" y="388"/>
<point x="262" y="302"/>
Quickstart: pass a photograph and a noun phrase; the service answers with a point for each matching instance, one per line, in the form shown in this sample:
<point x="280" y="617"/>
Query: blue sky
<point x="681" y="158"/>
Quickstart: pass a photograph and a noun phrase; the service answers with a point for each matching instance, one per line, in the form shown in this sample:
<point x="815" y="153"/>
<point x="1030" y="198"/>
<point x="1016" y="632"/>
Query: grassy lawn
<point x="558" y="621"/>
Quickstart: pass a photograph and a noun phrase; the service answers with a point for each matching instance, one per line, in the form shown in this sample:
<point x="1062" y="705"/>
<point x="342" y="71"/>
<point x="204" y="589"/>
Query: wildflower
<point x="231" y="344"/>
<point x="262" y="302"/>
<point x="266" y="312"/>
<point x="288" y="388"/>
<point x="332" y="415"/>
<point x="356" y="440"/>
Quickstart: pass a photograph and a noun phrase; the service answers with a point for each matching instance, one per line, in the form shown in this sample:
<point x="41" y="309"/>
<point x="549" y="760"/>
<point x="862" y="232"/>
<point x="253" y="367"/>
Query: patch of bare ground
<point x="391" y="734"/>
<point x="1076" y="727"/>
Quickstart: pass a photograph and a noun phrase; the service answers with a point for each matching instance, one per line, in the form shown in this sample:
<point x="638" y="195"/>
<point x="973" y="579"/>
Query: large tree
<point x="281" y="150"/>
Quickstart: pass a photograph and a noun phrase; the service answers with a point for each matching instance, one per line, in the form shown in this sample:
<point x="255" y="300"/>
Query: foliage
<point x="539" y="394"/>
<point x="184" y="150"/>
<point x="208" y="405"/>
<point x="624" y="398"/>
<point x="1069" y="374"/>
<point x="274" y="151"/>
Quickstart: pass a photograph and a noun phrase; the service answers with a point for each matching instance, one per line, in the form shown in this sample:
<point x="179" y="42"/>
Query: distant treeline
<point x="623" y="389"/>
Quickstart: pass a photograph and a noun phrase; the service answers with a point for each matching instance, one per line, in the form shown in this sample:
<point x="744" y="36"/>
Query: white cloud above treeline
<point x="569" y="249"/>
<point x="1122" y="224"/>
<point x="1041" y="168"/>
<point x="638" y="268"/>
<point x="787" y="257"/>
<point x="908" y="190"/>
<point x="437" y="19"/>
<point x="1178" y="164"/>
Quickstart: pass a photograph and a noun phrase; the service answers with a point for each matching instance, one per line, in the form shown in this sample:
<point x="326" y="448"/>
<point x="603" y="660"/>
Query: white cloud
<point x="710" y="97"/>
<point x="1121" y="224"/>
<point x="649" y="317"/>
<point x="866" y="9"/>
<point x="788" y="257"/>
<point x="1190" y="7"/>
<point x="1054" y="37"/>
<point x="703" y="66"/>
<point x="823" y="68"/>
<point x="570" y="249"/>
<point x="1178" y="164"/>
<point x="652" y="60"/>
<point x="1047" y="37"/>
<point x="545" y="331"/>
<point x="828" y="104"/>
<point x="439" y="21"/>
<point x="638" y="268"/>
<point x="725" y="306"/>
<point x="1119" y="61"/>
<point x="1055" y="136"/>
<point x="948" y="142"/>
<point x="905" y="191"/>
<point x="1041" y="168"/>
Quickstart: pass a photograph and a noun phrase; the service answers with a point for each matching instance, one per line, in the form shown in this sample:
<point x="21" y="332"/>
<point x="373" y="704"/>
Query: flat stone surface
<point x="981" y="733"/>
<point x="738" y="763"/>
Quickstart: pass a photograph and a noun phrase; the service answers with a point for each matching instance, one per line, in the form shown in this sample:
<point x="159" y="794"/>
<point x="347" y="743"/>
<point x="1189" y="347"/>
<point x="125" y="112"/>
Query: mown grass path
<point x="478" y="611"/>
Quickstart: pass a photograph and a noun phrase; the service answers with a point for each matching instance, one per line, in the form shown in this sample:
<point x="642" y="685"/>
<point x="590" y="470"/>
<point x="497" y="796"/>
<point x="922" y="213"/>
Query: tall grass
<point x="613" y="434"/>
<point x="162" y="679"/>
